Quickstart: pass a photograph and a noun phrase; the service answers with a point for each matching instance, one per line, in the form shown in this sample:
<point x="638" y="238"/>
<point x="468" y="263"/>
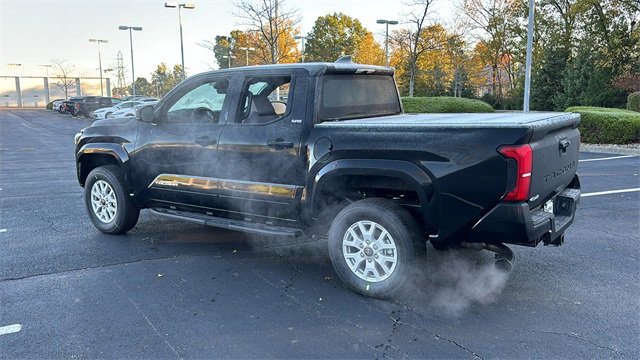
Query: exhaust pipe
<point x="503" y="258"/>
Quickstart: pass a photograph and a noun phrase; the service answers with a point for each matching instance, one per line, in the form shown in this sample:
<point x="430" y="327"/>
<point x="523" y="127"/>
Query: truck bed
<point x="454" y="148"/>
<point x="531" y="120"/>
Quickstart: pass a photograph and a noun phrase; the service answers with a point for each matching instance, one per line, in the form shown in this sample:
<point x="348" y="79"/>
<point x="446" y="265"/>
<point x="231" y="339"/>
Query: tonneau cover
<point x="531" y="120"/>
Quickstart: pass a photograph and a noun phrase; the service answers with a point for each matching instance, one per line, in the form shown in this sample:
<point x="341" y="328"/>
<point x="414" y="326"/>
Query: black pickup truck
<point x="84" y="105"/>
<point x="323" y="150"/>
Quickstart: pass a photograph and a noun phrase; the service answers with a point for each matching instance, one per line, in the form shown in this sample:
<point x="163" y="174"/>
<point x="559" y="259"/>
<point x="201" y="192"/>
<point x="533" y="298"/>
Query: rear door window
<point x="357" y="96"/>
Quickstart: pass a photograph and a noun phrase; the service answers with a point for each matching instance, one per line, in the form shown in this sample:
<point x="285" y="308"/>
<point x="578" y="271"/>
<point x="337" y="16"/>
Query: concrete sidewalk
<point x="629" y="149"/>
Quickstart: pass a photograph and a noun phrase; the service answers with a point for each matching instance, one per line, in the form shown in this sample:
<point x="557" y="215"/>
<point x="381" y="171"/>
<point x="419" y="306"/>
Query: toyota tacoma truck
<point x="324" y="151"/>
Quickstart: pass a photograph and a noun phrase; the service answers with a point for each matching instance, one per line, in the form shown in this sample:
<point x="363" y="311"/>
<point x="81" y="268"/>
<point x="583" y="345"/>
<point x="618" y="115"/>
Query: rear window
<point x="357" y="96"/>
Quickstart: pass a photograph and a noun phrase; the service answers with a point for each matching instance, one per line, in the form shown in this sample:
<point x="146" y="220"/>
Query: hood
<point x="113" y="121"/>
<point x="105" y="109"/>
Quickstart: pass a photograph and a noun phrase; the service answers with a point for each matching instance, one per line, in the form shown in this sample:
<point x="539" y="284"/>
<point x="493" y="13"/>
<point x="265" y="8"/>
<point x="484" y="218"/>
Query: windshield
<point x="357" y="96"/>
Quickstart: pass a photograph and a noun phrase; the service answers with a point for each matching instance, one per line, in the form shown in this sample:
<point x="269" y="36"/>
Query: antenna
<point x="344" y="60"/>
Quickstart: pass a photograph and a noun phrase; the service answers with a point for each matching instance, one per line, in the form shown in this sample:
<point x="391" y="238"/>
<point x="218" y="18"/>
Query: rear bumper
<point x="515" y="223"/>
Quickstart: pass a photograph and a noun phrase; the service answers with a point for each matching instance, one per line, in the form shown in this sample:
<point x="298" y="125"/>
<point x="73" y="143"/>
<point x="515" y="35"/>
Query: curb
<point x="610" y="149"/>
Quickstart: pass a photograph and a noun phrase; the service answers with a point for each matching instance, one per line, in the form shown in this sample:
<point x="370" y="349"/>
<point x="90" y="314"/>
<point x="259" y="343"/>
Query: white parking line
<point x="10" y="329"/>
<point x="607" y="158"/>
<point x="610" y="192"/>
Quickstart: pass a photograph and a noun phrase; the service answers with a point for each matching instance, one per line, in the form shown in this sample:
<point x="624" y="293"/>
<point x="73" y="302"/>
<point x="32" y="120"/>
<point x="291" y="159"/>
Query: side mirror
<point x="145" y="114"/>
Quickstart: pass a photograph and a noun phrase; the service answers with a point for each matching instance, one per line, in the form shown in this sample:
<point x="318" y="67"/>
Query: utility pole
<point x="120" y="71"/>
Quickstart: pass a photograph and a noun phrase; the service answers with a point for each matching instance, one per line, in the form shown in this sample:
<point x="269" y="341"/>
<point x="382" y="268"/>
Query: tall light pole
<point x="386" y="37"/>
<point x="133" y="73"/>
<point x="247" y="49"/>
<point x="527" y="75"/>
<point x="229" y="57"/>
<point x="99" y="41"/>
<point x="302" y="39"/>
<point x="180" y="6"/>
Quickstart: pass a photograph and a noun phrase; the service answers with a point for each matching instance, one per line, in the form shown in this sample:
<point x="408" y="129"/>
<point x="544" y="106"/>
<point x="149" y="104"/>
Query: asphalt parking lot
<point x="175" y="290"/>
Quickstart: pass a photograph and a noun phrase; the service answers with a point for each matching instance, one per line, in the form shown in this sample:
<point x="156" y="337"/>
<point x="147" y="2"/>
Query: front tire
<point x="372" y="246"/>
<point x="110" y="209"/>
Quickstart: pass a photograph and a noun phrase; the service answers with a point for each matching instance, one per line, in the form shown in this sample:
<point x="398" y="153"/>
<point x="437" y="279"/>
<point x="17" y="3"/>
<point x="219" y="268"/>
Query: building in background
<point x="28" y="85"/>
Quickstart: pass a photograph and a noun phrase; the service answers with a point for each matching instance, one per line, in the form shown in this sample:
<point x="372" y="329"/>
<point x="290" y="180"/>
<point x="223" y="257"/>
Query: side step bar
<point x="237" y="225"/>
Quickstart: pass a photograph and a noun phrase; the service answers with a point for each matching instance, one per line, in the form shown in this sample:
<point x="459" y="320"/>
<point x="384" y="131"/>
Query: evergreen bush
<point x="607" y="125"/>
<point x="444" y="104"/>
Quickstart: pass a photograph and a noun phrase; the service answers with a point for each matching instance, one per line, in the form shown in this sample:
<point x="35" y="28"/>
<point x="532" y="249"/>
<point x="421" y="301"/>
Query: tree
<point x="547" y="80"/>
<point x="497" y="20"/>
<point x="273" y="21"/>
<point x="64" y="73"/>
<point x="142" y="87"/>
<point x="411" y="41"/>
<point x="222" y="46"/>
<point x="163" y="80"/>
<point x="369" y="51"/>
<point x="556" y="19"/>
<point x="177" y="74"/>
<point x="334" y="35"/>
<point x="434" y="69"/>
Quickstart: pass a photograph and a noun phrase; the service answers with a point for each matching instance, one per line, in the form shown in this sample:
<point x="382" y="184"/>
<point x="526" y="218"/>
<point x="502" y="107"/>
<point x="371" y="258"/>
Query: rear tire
<point x="110" y="208"/>
<point x="372" y="246"/>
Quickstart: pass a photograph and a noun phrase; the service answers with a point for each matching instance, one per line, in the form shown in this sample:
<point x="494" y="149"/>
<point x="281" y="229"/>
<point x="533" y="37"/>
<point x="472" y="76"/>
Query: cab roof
<point x="314" y="69"/>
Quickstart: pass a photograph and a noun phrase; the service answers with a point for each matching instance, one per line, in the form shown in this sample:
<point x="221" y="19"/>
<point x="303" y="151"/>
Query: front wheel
<point x="372" y="246"/>
<point x="108" y="204"/>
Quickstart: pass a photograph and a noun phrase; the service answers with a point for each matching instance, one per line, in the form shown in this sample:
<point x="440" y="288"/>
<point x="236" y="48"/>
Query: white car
<point x="56" y="105"/>
<point x="132" y="110"/>
<point x="106" y="113"/>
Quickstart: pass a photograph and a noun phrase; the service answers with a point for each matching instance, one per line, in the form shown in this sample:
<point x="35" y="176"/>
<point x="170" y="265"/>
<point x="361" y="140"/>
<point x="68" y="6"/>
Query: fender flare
<point x="417" y="178"/>
<point x="111" y="149"/>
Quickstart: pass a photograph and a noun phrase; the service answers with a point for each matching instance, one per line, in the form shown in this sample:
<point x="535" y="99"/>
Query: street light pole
<point x="527" y="77"/>
<point x="133" y="73"/>
<point x="228" y="57"/>
<point x="180" y="6"/>
<point x="247" y="49"/>
<point x="302" y="39"/>
<point x="386" y="37"/>
<point x="100" y="61"/>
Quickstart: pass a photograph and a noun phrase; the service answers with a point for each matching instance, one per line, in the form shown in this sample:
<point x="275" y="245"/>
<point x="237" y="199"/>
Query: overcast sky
<point x="35" y="32"/>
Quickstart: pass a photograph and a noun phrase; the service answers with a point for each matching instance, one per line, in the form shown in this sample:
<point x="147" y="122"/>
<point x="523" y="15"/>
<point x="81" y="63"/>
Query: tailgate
<point x="555" y="143"/>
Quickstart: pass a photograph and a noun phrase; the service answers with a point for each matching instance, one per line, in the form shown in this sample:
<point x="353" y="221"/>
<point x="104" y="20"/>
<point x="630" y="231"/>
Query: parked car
<point x="341" y="162"/>
<point x="104" y="113"/>
<point x="91" y="103"/>
<point x="69" y="106"/>
<point x="131" y="111"/>
<point x="133" y="97"/>
<point x="55" y="106"/>
<point x="51" y="104"/>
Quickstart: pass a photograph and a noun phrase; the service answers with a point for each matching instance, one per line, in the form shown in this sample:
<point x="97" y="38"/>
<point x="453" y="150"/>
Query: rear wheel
<point x="108" y="204"/>
<point x="372" y="246"/>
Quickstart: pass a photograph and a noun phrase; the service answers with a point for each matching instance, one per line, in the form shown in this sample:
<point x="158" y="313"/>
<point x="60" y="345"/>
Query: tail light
<point x="523" y="157"/>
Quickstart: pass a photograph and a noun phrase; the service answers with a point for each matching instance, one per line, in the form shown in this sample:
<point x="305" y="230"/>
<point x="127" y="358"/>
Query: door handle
<point x="205" y="141"/>
<point x="279" y="144"/>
